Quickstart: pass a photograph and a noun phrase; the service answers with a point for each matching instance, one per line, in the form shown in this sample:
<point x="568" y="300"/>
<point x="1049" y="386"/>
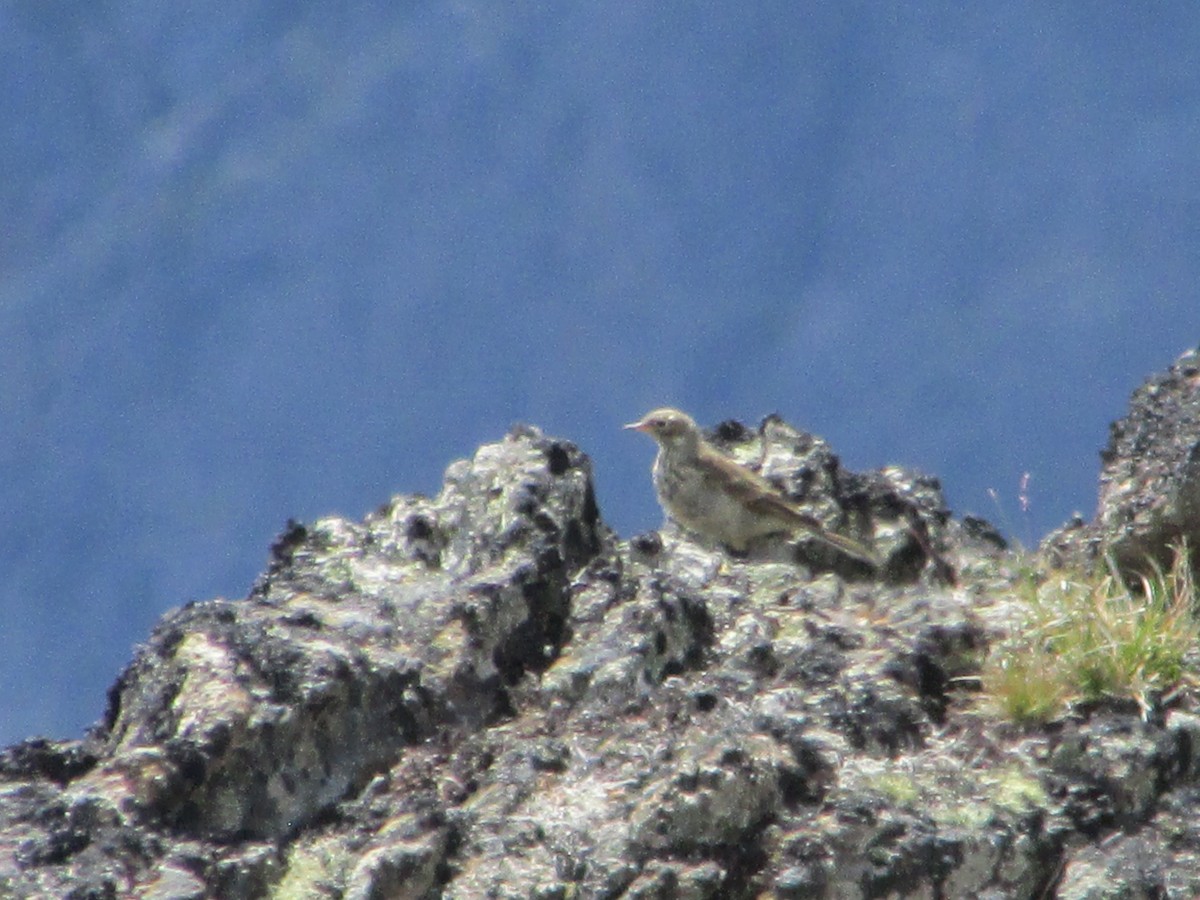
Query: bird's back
<point x="723" y="501"/>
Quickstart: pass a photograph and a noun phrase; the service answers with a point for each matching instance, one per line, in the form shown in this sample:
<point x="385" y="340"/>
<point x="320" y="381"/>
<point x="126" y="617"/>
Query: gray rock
<point x="1150" y="480"/>
<point x="488" y="694"/>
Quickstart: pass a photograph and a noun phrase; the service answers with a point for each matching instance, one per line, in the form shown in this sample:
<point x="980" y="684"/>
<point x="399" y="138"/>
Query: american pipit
<point x="710" y="494"/>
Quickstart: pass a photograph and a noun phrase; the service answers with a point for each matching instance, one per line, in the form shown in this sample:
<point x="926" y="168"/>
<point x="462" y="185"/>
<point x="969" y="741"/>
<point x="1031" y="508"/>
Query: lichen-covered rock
<point x="1150" y="480"/>
<point x="262" y="714"/>
<point x="487" y="694"/>
<point x="1150" y="484"/>
<point x="253" y="719"/>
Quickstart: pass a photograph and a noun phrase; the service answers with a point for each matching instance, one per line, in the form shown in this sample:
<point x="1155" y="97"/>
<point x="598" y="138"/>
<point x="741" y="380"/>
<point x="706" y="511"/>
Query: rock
<point x="487" y="693"/>
<point x="1150" y="480"/>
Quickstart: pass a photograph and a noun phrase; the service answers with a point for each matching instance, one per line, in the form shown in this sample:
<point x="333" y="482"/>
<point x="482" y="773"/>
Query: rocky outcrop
<point x="245" y="724"/>
<point x="489" y="694"/>
<point x="1150" y="479"/>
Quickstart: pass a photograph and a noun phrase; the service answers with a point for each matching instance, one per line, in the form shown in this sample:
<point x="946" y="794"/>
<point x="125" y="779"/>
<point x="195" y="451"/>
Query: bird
<point x="712" y="495"/>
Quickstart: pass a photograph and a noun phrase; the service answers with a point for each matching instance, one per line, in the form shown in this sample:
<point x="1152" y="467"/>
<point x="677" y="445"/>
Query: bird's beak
<point x="635" y="426"/>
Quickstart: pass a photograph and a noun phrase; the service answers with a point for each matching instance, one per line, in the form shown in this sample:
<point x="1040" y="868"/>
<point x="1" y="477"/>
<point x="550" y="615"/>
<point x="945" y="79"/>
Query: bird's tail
<point x="849" y="546"/>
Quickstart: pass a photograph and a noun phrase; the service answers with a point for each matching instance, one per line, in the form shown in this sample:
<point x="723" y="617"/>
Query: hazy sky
<point x="279" y="261"/>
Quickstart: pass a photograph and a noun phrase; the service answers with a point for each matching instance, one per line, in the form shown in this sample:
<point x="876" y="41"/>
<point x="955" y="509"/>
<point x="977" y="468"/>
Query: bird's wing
<point x="761" y="496"/>
<point x="848" y="546"/>
<point x="748" y="487"/>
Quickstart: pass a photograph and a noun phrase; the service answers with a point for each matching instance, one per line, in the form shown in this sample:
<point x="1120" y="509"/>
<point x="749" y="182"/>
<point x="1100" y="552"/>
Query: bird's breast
<point x="695" y="500"/>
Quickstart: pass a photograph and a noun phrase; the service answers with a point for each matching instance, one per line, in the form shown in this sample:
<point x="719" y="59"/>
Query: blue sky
<point x="286" y="262"/>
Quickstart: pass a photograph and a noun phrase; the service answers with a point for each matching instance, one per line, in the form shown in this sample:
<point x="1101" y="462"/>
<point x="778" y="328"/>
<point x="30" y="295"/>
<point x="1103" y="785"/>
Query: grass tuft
<point x="1088" y="638"/>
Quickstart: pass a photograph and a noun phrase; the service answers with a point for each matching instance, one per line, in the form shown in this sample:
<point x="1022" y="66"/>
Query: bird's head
<point x="670" y="427"/>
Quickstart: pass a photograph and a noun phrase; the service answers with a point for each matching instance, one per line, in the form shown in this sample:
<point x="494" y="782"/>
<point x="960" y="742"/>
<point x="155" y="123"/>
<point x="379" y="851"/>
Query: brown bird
<point x="712" y="495"/>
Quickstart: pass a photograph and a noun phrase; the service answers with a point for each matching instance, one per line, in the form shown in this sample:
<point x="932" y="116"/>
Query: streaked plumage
<point x="710" y="494"/>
